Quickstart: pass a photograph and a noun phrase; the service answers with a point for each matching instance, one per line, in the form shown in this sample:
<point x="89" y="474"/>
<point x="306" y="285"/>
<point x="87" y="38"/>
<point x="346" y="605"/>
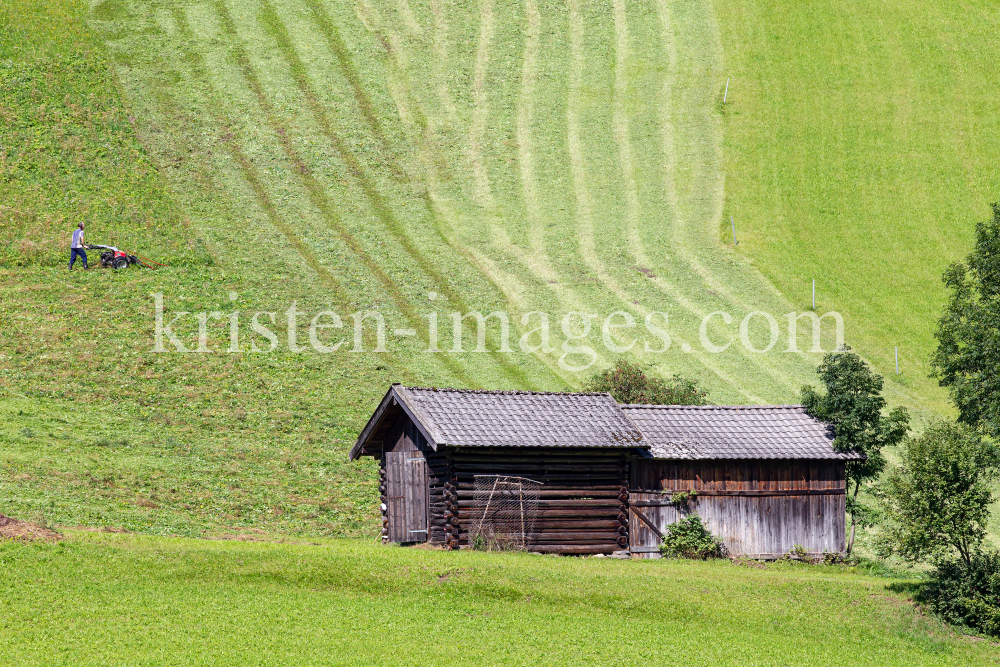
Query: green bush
<point x="967" y="594"/>
<point x="688" y="538"/>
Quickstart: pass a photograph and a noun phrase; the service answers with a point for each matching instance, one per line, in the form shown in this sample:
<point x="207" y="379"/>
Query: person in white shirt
<point x="76" y="248"/>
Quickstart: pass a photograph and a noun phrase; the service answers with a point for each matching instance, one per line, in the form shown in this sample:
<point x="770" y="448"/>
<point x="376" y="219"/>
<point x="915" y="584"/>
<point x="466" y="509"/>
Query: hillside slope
<point x="518" y="157"/>
<point x="369" y="156"/>
<point x="860" y="151"/>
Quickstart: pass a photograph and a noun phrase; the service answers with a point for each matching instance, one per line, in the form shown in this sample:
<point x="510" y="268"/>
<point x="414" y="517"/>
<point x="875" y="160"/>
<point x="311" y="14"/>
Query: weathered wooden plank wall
<point x="395" y="497"/>
<point x="761" y="509"/>
<point x="407" y="479"/>
<point x="415" y="481"/>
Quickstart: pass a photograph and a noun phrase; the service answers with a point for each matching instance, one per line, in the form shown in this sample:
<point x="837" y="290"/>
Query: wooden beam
<point x="747" y="493"/>
<point x="646" y="521"/>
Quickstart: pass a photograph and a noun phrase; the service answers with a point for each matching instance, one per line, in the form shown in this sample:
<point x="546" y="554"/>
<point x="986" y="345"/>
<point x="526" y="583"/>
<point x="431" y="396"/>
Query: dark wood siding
<point x="760" y="508"/>
<point x="583" y="502"/>
<point x="403" y="436"/>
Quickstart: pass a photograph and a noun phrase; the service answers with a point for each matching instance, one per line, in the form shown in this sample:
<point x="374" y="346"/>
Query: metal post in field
<point x="735" y="242"/>
<point x="726" y="94"/>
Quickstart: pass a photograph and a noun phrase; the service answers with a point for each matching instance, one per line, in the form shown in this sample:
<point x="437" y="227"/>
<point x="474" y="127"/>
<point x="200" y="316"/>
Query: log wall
<point x="760" y="508"/>
<point x="583" y="503"/>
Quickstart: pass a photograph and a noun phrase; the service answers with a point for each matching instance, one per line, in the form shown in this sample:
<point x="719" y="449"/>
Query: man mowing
<point x="76" y="248"/>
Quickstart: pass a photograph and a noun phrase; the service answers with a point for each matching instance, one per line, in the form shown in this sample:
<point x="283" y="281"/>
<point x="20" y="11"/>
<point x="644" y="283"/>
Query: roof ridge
<point x="784" y="406"/>
<point x="505" y="391"/>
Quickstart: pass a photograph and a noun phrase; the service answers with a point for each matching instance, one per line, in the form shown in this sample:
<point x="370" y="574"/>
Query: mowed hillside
<point x="520" y="157"/>
<point x="526" y="158"/>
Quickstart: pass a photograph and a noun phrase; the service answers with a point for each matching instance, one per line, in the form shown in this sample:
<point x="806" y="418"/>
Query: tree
<point x="967" y="360"/>
<point x="629" y="383"/>
<point x="938" y="503"/>
<point x="853" y="405"/>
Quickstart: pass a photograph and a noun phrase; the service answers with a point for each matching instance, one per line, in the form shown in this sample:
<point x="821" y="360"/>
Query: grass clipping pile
<point x="12" y="529"/>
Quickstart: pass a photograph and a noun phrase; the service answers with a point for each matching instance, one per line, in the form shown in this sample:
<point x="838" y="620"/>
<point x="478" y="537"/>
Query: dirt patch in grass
<point x="12" y="529"/>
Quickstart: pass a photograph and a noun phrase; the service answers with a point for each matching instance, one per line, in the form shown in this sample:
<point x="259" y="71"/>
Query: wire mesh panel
<point x="503" y="512"/>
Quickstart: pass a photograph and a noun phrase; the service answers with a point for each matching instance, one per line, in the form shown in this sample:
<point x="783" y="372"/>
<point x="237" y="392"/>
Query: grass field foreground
<point x="122" y="599"/>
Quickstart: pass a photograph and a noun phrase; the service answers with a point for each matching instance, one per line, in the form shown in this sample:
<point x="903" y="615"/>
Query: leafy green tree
<point x="853" y="405"/>
<point x="630" y="383"/>
<point x="967" y="360"/>
<point x="938" y="503"/>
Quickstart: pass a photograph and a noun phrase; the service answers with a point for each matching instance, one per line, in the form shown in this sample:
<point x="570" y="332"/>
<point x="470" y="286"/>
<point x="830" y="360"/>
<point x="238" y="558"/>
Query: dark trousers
<point x="77" y="252"/>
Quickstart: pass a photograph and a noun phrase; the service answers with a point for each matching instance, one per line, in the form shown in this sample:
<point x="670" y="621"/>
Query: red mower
<point x="113" y="258"/>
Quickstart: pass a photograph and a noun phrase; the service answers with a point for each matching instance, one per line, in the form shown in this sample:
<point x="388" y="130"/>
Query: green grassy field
<point x="505" y="156"/>
<point x="859" y="151"/>
<point x="121" y="599"/>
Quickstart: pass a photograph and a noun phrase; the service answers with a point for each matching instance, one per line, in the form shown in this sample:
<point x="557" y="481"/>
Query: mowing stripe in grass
<point x="438" y="206"/>
<point x="584" y="213"/>
<point x="279" y="33"/>
<point x="251" y="175"/>
<point x="537" y="267"/>
<point x="320" y="200"/>
<point x="682" y="233"/>
<point x="267" y="204"/>
<point x="315" y="192"/>
<point x="525" y="117"/>
<point x="339" y="49"/>
<point x="621" y="132"/>
<point x="536" y="259"/>
<point x="480" y="108"/>
<point x="440" y="46"/>
<point x="502" y="242"/>
<point x="423" y="125"/>
<point x="622" y="137"/>
<point x="409" y="19"/>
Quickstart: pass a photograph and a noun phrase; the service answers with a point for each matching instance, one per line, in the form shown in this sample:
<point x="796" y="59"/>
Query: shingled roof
<point x="470" y="418"/>
<point x="735" y="432"/>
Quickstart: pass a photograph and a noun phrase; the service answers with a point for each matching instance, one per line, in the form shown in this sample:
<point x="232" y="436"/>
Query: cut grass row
<point x="293" y="78"/>
<point x="116" y="599"/>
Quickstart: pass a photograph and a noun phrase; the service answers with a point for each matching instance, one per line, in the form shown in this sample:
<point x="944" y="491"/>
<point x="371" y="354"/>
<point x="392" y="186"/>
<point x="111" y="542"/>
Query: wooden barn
<point x="766" y="477"/>
<point x="600" y="476"/>
<point x="433" y="443"/>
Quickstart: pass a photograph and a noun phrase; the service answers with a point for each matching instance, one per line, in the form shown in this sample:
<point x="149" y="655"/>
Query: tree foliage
<point x="967" y="360"/>
<point x="967" y="594"/>
<point x="937" y="503"/>
<point x="630" y="383"/>
<point x="853" y="405"/>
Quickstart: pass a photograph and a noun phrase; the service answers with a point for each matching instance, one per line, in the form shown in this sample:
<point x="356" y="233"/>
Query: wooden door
<point x="406" y="491"/>
<point x="415" y="470"/>
<point x="645" y="532"/>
